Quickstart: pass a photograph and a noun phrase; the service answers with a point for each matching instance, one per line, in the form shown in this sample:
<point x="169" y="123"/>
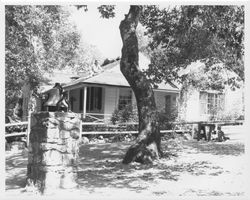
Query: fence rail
<point x="119" y="125"/>
<point x="16" y="124"/>
<point x="125" y="132"/>
<point x="16" y="134"/>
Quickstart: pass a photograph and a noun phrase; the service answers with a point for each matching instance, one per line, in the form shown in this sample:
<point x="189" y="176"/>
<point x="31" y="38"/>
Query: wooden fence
<point x="120" y="128"/>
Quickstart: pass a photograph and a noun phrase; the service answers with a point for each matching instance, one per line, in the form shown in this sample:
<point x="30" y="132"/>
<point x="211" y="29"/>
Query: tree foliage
<point x="38" y="39"/>
<point x="185" y="34"/>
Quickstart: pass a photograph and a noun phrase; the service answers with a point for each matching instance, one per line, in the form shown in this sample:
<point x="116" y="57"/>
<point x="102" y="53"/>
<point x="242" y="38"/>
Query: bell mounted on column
<point x="57" y="99"/>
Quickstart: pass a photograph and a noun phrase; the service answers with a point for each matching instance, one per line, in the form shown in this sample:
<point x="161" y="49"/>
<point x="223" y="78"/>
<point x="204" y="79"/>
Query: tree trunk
<point x="26" y="94"/>
<point x="147" y="146"/>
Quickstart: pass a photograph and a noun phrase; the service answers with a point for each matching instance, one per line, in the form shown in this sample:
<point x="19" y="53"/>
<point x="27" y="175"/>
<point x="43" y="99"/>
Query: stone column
<point x="53" y="151"/>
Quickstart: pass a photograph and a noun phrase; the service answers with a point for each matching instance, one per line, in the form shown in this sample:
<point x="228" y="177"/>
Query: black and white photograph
<point x="125" y="100"/>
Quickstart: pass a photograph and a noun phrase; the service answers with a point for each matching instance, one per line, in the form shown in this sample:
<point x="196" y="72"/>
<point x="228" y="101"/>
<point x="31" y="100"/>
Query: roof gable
<point x="111" y="75"/>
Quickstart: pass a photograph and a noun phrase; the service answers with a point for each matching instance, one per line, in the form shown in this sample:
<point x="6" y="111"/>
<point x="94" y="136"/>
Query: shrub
<point x="166" y="119"/>
<point x="127" y="114"/>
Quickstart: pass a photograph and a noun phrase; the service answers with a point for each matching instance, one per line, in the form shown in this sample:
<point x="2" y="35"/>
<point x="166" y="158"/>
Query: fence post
<point x="28" y="128"/>
<point x="80" y="128"/>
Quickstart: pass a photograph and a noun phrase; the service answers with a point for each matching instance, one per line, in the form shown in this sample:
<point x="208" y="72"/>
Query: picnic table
<point x="206" y="128"/>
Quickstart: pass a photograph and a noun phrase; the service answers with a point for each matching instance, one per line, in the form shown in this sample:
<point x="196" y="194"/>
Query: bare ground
<point x="195" y="168"/>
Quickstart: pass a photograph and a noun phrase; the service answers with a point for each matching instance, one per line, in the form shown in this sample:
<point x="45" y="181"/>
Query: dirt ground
<point x="195" y="169"/>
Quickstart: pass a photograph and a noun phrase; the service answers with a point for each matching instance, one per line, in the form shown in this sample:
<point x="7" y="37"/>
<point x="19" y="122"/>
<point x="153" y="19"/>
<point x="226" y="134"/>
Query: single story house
<point x="100" y="94"/>
<point x="203" y="105"/>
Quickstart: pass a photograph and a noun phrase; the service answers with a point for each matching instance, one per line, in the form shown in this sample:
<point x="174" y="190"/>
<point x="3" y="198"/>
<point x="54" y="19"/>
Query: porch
<point x="97" y="102"/>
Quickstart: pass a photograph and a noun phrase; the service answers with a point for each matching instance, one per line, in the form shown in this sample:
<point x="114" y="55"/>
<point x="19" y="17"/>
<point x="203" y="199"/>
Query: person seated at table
<point x="221" y="135"/>
<point x="214" y="135"/>
<point x="202" y="134"/>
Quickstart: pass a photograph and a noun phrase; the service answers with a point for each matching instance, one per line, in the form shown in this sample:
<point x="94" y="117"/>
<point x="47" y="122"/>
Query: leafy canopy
<point x="177" y="36"/>
<point x="184" y="34"/>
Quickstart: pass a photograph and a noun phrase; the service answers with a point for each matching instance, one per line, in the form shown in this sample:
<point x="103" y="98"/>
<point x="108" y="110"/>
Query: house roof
<point x="112" y="76"/>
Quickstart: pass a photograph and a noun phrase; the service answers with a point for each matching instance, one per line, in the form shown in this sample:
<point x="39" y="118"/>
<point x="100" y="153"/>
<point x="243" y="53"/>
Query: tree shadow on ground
<point x="16" y="169"/>
<point x="100" y="167"/>
<point x="217" y="148"/>
<point x="16" y="181"/>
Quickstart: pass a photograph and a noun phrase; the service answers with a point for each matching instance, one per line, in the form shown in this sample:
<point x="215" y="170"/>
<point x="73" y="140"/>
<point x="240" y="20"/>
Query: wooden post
<point x="80" y="128"/>
<point x="84" y="102"/>
<point x="28" y="128"/>
<point x="69" y="108"/>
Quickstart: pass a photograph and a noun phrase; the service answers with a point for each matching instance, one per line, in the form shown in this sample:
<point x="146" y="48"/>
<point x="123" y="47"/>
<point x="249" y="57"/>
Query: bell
<point x="63" y="103"/>
<point x="54" y="97"/>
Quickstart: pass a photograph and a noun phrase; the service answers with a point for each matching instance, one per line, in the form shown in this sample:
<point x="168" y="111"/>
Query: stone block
<point x="75" y="133"/>
<point x="52" y="157"/>
<point x="47" y="146"/>
<point x="62" y="148"/>
<point x="53" y="133"/>
<point x="64" y="134"/>
<point x="62" y="141"/>
<point x="72" y="146"/>
<point x="69" y="159"/>
<point x="51" y="140"/>
<point x="68" y="180"/>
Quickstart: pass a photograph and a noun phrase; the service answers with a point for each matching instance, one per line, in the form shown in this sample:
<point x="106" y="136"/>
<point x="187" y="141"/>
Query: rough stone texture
<point x="53" y="151"/>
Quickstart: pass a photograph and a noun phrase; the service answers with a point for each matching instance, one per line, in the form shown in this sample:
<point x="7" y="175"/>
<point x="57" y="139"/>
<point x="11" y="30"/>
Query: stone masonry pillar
<point x="53" y="151"/>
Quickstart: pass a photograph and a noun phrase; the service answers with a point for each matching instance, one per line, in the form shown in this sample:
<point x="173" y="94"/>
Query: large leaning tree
<point x="180" y="35"/>
<point x="148" y="143"/>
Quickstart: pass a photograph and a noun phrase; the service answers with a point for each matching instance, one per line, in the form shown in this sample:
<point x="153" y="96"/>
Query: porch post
<point x="84" y="102"/>
<point x="69" y="109"/>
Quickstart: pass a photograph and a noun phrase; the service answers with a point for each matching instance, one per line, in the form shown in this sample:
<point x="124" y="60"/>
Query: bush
<point x="166" y="119"/>
<point x="127" y="114"/>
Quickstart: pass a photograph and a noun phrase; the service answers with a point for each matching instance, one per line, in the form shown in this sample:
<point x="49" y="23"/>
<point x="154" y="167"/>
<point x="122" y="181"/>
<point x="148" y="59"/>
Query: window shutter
<point x="99" y="105"/>
<point x="203" y="103"/>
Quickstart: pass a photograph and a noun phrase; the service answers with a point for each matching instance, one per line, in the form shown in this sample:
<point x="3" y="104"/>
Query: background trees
<point x="39" y="39"/>
<point x="185" y="34"/>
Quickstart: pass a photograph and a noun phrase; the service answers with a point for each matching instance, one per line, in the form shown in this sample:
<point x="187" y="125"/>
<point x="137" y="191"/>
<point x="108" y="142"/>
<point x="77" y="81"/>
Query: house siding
<point x="111" y="100"/>
<point x="190" y="109"/>
<point x="234" y="104"/>
<point x="160" y="100"/>
<point x="193" y="107"/>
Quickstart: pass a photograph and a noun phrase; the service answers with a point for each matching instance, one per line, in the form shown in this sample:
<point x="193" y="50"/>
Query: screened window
<point x="94" y="99"/>
<point x="125" y="98"/>
<point x="211" y="103"/>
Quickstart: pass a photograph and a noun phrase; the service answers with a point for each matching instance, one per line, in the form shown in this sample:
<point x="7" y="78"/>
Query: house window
<point x="94" y="99"/>
<point x="125" y="98"/>
<point x="168" y="103"/>
<point x="211" y="103"/>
